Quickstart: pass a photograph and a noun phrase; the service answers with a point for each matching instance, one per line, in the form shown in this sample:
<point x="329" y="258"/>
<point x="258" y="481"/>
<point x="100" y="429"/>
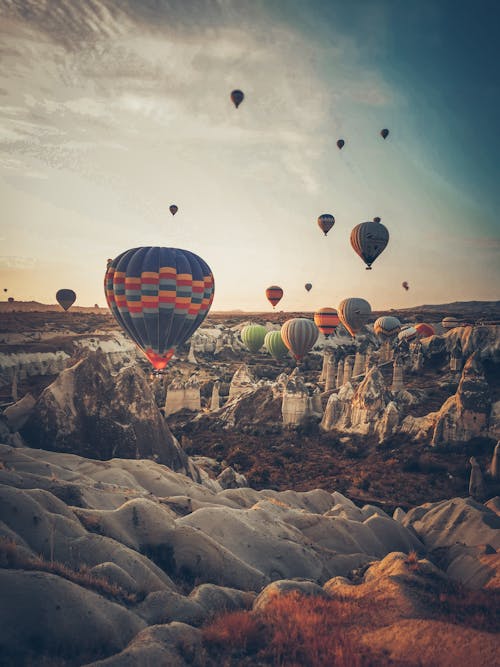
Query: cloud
<point x="21" y="263"/>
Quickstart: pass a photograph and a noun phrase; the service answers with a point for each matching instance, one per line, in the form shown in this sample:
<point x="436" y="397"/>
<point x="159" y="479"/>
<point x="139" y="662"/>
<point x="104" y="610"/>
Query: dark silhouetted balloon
<point x="237" y="97"/>
<point x="173" y="209"/>
<point x="384" y="133"/>
<point x="327" y="320"/>
<point x="299" y="335"/>
<point x="5" y="289"/>
<point x="368" y="240"/>
<point x="274" y="294"/>
<point x="159" y="296"/>
<point x="10" y="299"/>
<point x="65" y="298"/>
<point x="353" y="313"/>
<point x="308" y="287"/>
<point x="405" y="285"/>
<point x="340" y="143"/>
<point x="326" y="222"/>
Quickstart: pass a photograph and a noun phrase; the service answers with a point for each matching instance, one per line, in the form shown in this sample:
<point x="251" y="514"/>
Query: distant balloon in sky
<point x="387" y="326"/>
<point x="327" y="320"/>
<point x="173" y="209"/>
<point x="299" y="335"/>
<point x="274" y="294"/>
<point x="65" y="298"/>
<point x="326" y="222"/>
<point x="424" y="330"/>
<point x="384" y="133"/>
<point x="237" y="97"/>
<point x="340" y="144"/>
<point x="5" y="289"/>
<point x="273" y="342"/>
<point x="308" y="287"/>
<point x="353" y="313"/>
<point x="253" y="336"/>
<point x="405" y="285"/>
<point x="368" y="240"/>
<point x="159" y="296"/>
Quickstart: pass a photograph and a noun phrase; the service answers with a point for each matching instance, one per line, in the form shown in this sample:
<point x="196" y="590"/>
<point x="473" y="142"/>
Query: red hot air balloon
<point x="384" y="133"/>
<point x="159" y="296"/>
<point x="326" y="222"/>
<point x="65" y="298"/>
<point x="424" y="330"/>
<point x="237" y="97"/>
<point x="327" y="320"/>
<point x="340" y="144"/>
<point x="274" y="294"/>
<point x="173" y="209"/>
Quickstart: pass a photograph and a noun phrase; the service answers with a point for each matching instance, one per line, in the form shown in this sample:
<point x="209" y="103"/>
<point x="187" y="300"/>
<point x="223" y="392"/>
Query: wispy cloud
<point x="22" y="263"/>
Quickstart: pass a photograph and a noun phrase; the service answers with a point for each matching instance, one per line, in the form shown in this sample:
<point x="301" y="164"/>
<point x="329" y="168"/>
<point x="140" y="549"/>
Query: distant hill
<point x="35" y="306"/>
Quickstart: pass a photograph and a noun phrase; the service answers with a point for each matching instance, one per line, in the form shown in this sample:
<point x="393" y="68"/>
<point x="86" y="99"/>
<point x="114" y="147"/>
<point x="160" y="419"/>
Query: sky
<point x="111" y="110"/>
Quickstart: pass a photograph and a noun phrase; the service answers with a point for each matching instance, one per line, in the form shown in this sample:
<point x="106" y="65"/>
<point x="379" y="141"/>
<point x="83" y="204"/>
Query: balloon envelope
<point x="65" y="298"/>
<point x="368" y="240"/>
<point x="274" y="344"/>
<point x="327" y="320"/>
<point x="450" y="323"/>
<point x="387" y="326"/>
<point x="308" y="286"/>
<point x="340" y="144"/>
<point x="237" y="97"/>
<point x="424" y="330"/>
<point x="409" y="333"/>
<point x="274" y="294"/>
<point x="253" y="336"/>
<point x="384" y="133"/>
<point x="299" y="335"/>
<point x="326" y="222"/>
<point x="353" y="313"/>
<point x="405" y="285"/>
<point x="173" y="209"/>
<point x="159" y="296"/>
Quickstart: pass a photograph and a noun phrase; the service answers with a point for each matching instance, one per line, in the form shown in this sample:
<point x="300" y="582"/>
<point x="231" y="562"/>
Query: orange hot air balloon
<point x="274" y="294"/>
<point x="424" y="330"/>
<point x="327" y="320"/>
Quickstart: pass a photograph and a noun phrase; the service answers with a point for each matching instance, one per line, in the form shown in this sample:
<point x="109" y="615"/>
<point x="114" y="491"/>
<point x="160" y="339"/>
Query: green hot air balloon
<point x="253" y="336"/>
<point x="274" y="344"/>
<point x="299" y="335"/>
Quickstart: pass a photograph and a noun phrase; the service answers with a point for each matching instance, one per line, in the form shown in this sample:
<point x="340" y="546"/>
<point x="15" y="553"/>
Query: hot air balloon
<point x="424" y="330"/>
<point x="308" y="287"/>
<point x="327" y="320"/>
<point x="353" y="313"/>
<point x="405" y="285"/>
<point x="274" y="344"/>
<point x="450" y="323"/>
<point x="368" y="240"/>
<point x="384" y="133"/>
<point x="340" y="144"/>
<point x="299" y="335"/>
<point x="387" y="326"/>
<point x="10" y="299"/>
<point x="173" y="209"/>
<point x="409" y="333"/>
<point x="253" y="336"/>
<point x="65" y="298"/>
<point x="5" y="289"/>
<point x="159" y="296"/>
<point x="326" y="222"/>
<point x="237" y="97"/>
<point x="274" y="294"/>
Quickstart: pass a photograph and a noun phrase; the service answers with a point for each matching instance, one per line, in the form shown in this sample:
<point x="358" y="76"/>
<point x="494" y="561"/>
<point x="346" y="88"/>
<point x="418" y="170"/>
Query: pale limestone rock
<point x="388" y="423"/>
<point x="242" y="381"/>
<point x="183" y="396"/>
<point x="191" y="358"/>
<point x="17" y="414"/>
<point x="296" y="406"/>
<point x="397" y="375"/>
<point x="230" y="479"/>
<point x="495" y="463"/>
<point x="359" y="364"/>
<point x="340" y="373"/>
<point x="348" y="364"/>
<point x="331" y="373"/>
<point x="215" y="399"/>
<point x="476" y="482"/>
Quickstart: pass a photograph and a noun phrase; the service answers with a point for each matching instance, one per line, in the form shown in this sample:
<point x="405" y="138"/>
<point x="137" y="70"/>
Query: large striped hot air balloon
<point x="353" y="313"/>
<point x="327" y="320"/>
<point x="253" y="336"/>
<point x="159" y="296"/>
<point x="299" y="335"/>
<point x="326" y="222"/>
<point x="274" y="294"/>
<point x="368" y="240"/>
<point x="273" y="342"/>
<point x="65" y="298"/>
<point x="424" y="330"/>
<point x="387" y="326"/>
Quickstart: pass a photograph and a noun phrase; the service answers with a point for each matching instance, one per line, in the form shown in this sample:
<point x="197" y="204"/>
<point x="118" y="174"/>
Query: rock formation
<point x="397" y="375"/>
<point x="183" y="396"/>
<point x="298" y="405"/>
<point x="243" y="380"/>
<point x="495" y="463"/>
<point x="340" y="373"/>
<point x="215" y="398"/>
<point x="90" y="411"/>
